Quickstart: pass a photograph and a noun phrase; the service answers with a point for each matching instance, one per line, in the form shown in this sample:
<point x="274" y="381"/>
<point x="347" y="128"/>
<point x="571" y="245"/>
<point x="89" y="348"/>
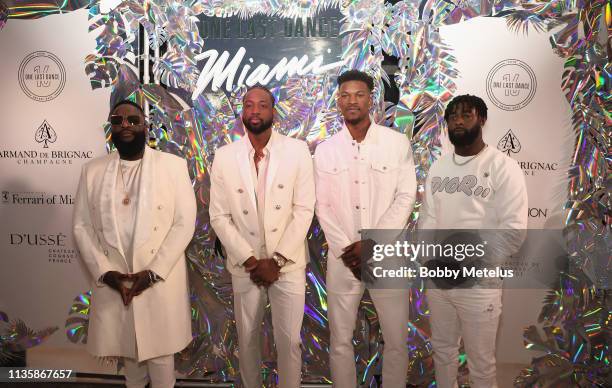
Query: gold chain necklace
<point x="126" y="199"/>
<point x="470" y="159"/>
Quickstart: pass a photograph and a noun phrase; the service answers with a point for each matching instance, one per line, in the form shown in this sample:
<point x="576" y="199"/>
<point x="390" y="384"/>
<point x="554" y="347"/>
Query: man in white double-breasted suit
<point x="365" y="179"/>
<point x="261" y="207"/>
<point x="134" y="215"/>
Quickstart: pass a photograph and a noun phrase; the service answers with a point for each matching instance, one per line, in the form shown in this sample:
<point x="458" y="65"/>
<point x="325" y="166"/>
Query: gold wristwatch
<point x="279" y="260"/>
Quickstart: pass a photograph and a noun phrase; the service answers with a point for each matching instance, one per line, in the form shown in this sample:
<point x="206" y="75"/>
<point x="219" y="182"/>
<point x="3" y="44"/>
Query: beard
<point x="468" y="137"/>
<point x="129" y="148"/>
<point x="257" y="129"/>
<point x="356" y="120"/>
<point x="362" y="116"/>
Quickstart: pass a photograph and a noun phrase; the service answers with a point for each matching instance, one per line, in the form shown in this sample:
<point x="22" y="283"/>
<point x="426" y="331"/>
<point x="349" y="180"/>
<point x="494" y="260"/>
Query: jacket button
<point x="357" y="207"/>
<point x="384" y="167"/>
<point x="281" y="186"/>
<point x="160" y="207"/>
<point x="277" y="207"/>
<point x="155" y="228"/>
<point x="245" y="212"/>
<point x="252" y="233"/>
<point x="274" y="230"/>
<point x="105" y="252"/>
<point x="152" y="250"/>
<point x="240" y="191"/>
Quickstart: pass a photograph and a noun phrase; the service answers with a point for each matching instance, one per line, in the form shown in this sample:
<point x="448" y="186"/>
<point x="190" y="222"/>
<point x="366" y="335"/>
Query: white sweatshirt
<point x="487" y="192"/>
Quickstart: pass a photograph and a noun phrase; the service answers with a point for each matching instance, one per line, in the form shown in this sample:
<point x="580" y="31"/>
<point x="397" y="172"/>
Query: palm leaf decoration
<point x="16" y="336"/>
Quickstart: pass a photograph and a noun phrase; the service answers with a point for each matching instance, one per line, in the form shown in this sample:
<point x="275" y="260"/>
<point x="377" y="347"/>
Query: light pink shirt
<point x="259" y="174"/>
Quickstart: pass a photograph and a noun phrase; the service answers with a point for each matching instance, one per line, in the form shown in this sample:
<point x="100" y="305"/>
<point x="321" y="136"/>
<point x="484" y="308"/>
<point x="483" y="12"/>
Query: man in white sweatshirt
<point x="365" y="179"/>
<point x="476" y="187"/>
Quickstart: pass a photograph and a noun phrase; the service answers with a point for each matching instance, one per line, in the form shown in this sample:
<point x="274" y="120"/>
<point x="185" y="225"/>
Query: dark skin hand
<point x="266" y="273"/>
<point x="141" y="281"/>
<point x="114" y="280"/>
<point x="355" y="254"/>
<point x="263" y="272"/>
<point x="249" y="266"/>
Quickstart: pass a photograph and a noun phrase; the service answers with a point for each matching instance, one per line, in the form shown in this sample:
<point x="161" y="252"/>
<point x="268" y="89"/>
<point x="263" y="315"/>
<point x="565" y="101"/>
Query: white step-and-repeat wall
<point x="52" y="124"/>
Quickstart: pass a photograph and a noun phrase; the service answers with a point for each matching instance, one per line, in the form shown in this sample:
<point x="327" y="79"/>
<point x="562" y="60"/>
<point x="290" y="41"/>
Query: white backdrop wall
<point x="51" y="125"/>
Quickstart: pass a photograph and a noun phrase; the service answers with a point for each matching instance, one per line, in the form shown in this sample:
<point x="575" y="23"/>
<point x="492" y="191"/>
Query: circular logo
<point x="511" y="84"/>
<point x="42" y="76"/>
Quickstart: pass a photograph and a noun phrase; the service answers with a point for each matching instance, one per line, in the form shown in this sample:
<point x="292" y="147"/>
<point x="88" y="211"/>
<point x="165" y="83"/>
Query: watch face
<point x="279" y="260"/>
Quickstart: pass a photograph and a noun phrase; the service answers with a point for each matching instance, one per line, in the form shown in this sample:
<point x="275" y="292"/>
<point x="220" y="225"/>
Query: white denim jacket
<point x="367" y="185"/>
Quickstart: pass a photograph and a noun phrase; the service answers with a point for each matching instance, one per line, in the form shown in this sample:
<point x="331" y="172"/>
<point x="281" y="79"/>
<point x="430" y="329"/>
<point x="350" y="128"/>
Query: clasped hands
<point x="140" y="282"/>
<point x="263" y="272"/>
<point x="357" y="254"/>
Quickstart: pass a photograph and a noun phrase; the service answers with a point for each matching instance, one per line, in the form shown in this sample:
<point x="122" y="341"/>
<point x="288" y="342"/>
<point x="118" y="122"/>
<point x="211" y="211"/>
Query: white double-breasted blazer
<point x="289" y="202"/>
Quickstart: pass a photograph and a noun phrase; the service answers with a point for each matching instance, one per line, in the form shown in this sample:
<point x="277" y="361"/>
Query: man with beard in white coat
<point x="134" y="215"/>
<point x="261" y="207"/>
<point x="365" y="179"/>
<point x="475" y="188"/>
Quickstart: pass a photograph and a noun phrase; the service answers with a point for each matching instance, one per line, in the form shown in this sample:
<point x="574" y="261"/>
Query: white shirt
<point x="259" y="174"/>
<point x="358" y="157"/>
<point x="367" y="185"/>
<point x="128" y="183"/>
<point x="483" y="192"/>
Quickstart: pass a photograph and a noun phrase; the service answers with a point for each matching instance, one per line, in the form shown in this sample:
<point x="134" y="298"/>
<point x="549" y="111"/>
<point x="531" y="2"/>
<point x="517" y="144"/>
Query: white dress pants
<point x="159" y="371"/>
<point x="392" y="309"/>
<point x="474" y="315"/>
<point x="287" y="296"/>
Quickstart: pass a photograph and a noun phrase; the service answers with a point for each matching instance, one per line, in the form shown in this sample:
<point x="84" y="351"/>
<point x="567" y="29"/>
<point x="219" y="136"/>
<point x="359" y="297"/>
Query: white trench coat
<point x="159" y="318"/>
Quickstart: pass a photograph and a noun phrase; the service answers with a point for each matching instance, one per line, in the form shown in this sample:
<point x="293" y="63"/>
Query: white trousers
<point x="159" y="371"/>
<point x="474" y="315"/>
<point x="287" y="296"/>
<point x="392" y="309"/>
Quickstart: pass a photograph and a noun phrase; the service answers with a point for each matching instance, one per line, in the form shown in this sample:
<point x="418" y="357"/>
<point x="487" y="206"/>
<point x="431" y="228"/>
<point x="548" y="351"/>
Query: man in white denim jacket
<point x="365" y="179"/>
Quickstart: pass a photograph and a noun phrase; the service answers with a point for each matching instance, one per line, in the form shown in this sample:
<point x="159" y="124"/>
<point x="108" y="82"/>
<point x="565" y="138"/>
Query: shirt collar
<point x="268" y="146"/>
<point x="370" y="136"/>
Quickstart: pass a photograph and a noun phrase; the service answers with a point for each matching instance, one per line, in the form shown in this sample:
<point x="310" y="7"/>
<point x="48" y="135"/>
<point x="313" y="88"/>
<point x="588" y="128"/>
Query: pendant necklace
<point x="126" y="199"/>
